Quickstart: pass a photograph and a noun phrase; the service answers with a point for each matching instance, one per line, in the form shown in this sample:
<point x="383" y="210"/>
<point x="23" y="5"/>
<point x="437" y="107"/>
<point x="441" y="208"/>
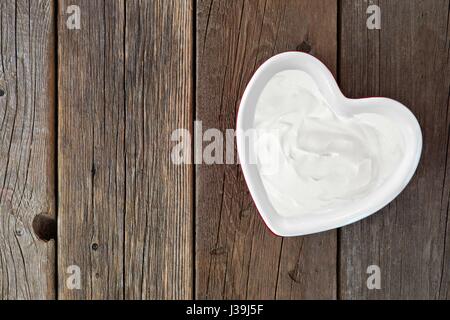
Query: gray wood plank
<point x="125" y="214"/>
<point x="159" y="201"/>
<point x="236" y="256"/>
<point x="91" y="148"/>
<point x="408" y="60"/>
<point x="27" y="106"/>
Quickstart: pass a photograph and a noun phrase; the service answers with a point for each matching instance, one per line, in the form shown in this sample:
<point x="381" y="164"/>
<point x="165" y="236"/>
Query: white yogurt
<point x="312" y="160"/>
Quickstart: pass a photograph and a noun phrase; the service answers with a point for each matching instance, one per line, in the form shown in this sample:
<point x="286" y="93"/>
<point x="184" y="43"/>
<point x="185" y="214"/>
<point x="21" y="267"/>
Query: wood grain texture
<point x="236" y="256"/>
<point x="159" y="202"/>
<point x="26" y="147"/>
<point x="125" y="213"/>
<point x="408" y="60"/>
<point x="91" y="150"/>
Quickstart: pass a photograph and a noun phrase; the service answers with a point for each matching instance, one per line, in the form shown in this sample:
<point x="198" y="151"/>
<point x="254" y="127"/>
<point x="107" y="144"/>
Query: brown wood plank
<point x="27" y="78"/>
<point x="125" y="209"/>
<point x="408" y="60"/>
<point x="91" y="148"/>
<point x="159" y="202"/>
<point x="236" y="255"/>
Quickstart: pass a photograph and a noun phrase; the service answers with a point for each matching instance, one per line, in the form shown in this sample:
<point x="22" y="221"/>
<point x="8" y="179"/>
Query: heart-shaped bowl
<point x="340" y="216"/>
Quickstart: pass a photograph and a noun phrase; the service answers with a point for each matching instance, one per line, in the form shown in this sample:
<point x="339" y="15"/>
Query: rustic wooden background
<point x="85" y="172"/>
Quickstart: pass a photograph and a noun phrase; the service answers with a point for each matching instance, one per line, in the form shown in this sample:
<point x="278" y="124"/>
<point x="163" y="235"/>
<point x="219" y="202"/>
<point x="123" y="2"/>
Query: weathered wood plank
<point x="236" y="256"/>
<point x="27" y="78"/>
<point x="159" y="201"/>
<point x="125" y="215"/>
<point x="408" y="60"/>
<point x="91" y="146"/>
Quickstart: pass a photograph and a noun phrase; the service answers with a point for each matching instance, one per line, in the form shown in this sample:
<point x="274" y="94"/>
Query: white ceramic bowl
<point x="312" y="223"/>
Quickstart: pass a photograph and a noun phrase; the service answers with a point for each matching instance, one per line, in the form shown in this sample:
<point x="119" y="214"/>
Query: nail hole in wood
<point x="304" y="47"/>
<point x="295" y="276"/>
<point x="95" y="246"/>
<point x="2" y="92"/>
<point x="218" y="251"/>
<point x="44" y="227"/>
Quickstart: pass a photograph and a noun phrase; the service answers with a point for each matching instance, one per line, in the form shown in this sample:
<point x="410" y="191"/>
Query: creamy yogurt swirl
<point x="312" y="160"/>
